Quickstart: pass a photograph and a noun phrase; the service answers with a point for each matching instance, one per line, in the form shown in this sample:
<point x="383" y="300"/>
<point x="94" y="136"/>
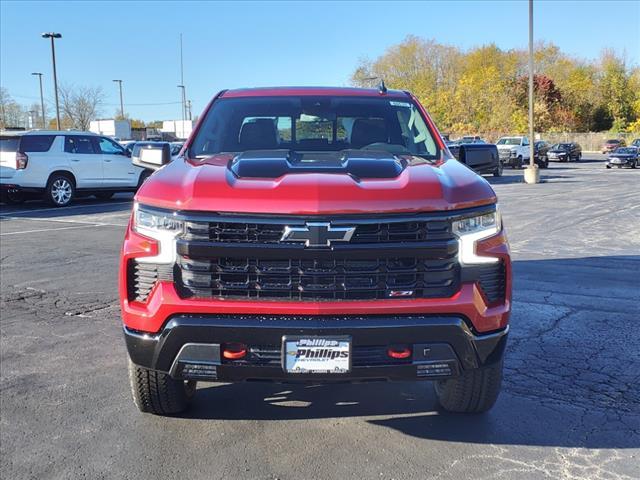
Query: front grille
<point x="362" y="356"/>
<point x="271" y="233"/>
<point x="143" y="276"/>
<point x="492" y="280"/>
<point x="333" y="279"/>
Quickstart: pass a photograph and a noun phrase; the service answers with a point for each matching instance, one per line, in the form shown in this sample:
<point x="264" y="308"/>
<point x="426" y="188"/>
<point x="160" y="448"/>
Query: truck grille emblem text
<point x="317" y="234"/>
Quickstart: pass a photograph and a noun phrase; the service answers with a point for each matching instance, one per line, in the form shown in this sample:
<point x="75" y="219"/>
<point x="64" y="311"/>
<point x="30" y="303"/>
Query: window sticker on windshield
<point x="399" y="104"/>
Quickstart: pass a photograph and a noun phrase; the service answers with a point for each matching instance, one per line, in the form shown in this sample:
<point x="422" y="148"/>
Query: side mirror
<point x="151" y="155"/>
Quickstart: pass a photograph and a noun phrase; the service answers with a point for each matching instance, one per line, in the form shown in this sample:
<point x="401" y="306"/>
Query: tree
<point x="12" y="115"/>
<point x="615" y="89"/>
<point x="80" y="105"/>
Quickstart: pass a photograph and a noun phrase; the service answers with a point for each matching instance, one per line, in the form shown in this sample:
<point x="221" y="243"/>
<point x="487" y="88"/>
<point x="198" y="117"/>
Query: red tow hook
<point x="399" y="351"/>
<point x="234" y="351"/>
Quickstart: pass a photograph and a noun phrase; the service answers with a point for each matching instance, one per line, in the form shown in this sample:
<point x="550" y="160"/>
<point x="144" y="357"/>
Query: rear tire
<point x="634" y="164"/>
<point x="158" y="393"/>
<point x="104" y="195"/>
<point x="519" y="163"/>
<point x="475" y="391"/>
<point x="143" y="177"/>
<point x="60" y="190"/>
<point x="498" y="171"/>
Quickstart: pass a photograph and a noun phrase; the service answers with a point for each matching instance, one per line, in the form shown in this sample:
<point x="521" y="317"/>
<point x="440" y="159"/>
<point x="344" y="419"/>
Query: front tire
<point x="519" y="162"/>
<point x="60" y="190"/>
<point x="475" y="391"/>
<point x="157" y="393"/>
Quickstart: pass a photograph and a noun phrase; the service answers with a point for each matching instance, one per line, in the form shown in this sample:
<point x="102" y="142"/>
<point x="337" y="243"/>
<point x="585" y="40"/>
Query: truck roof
<point x="312" y="91"/>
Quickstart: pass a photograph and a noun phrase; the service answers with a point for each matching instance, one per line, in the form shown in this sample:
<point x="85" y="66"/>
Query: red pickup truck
<point x="314" y="235"/>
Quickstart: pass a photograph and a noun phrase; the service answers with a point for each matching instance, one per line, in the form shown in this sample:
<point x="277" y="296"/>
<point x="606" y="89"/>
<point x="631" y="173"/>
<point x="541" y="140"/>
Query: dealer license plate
<point x="317" y="354"/>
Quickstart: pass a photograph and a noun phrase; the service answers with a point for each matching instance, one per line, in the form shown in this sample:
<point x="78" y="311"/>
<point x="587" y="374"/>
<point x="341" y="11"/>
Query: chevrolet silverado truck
<point x="514" y="151"/>
<point x="314" y="235"/>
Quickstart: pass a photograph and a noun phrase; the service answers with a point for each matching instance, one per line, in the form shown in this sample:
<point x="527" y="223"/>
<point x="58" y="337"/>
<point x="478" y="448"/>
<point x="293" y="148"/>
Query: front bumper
<point x="617" y="162"/>
<point x="442" y="346"/>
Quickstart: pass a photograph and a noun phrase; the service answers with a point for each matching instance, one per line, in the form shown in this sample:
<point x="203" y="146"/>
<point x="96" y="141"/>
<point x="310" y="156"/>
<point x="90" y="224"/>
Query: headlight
<point x="147" y="220"/>
<point x="470" y="230"/>
<point x="163" y="227"/>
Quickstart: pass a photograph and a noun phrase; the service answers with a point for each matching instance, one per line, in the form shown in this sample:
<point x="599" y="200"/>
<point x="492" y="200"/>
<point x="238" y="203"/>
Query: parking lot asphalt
<point x="570" y="405"/>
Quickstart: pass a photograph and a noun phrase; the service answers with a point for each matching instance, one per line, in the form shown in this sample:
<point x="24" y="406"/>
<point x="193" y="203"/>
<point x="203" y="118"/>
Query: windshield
<point x="626" y="150"/>
<point x="303" y="123"/>
<point x="509" y="141"/>
<point x="561" y="146"/>
<point x="613" y="142"/>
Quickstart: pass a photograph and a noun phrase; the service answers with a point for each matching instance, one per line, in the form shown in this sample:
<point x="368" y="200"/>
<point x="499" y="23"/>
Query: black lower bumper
<point x="189" y="347"/>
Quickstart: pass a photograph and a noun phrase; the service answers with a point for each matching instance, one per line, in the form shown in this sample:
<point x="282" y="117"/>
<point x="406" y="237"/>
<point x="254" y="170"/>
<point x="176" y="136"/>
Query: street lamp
<point x="531" y="174"/>
<point x="41" y="99"/>
<point x="53" y="36"/>
<point x="119" y="82"/>
<point x="184" y="101"/>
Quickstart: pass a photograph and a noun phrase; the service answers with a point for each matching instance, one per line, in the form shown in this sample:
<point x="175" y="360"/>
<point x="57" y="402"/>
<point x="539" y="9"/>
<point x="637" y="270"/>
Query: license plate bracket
<point x="329" y="354"/>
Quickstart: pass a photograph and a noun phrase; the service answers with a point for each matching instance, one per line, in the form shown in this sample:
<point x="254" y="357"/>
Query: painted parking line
<point x="57" y="220"/>
<point x="55" y="229"/>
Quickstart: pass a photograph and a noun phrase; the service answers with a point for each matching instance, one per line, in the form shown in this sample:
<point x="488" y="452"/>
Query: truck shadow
<point x="81" y="206"/>
<point x="563" y="383"/>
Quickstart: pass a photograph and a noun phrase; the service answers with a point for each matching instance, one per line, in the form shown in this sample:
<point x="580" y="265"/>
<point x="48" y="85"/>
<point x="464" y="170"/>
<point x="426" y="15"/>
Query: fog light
<point x="234" y="351"/>
<point x="399" y="351"/>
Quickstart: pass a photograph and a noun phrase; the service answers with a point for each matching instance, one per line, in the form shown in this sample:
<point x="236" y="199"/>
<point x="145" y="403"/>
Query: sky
<point x="245" y="44"/>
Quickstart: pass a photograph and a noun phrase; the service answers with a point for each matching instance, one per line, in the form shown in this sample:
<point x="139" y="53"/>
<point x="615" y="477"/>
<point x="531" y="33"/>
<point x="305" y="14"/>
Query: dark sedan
<point x="565" y="152"/>
<point x="624" y="157"/>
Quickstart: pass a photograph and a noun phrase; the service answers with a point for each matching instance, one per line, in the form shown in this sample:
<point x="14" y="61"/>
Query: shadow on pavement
<point x="563" y="383"/>
<point x="80" y="206"/>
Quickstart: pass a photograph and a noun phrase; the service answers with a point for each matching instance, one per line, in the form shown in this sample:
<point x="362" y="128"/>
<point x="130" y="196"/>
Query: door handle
<point x="75" y="160"/>
<point x="107" y="160"/>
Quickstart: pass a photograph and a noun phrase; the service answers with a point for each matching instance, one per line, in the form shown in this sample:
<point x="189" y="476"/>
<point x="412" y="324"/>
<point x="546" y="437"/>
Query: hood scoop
<point x="358" y="164"/>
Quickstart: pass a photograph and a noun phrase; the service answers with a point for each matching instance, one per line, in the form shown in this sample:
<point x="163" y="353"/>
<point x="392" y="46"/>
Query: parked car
<point x="540" y="152"/>
<point x="565" y="152"/>
<point x="513" y="151"/>
<point x="482" y="158"/>
<point x="636" y="143"/>
<point x="624" y="157"/>
<point x="175" y="149"/>
<point x="128" y="145"/>
<point x="612" y="144"/>
<point x="62" y="164"/>
<point x="471" y="139"/>
<point x="314" y="235"/>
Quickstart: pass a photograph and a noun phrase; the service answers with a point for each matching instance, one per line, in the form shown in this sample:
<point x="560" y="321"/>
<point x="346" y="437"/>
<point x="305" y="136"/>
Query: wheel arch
<point x="66" y="173"/>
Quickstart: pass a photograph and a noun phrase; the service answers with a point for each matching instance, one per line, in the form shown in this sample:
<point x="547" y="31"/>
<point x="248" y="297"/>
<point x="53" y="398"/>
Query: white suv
<point x="61" y="164"/>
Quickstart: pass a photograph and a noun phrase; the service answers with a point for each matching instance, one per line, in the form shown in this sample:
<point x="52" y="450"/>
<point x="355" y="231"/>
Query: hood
<point x="558" y="150"/>
<point x="622" y="155"/>
<point x="506" y="147"/>
<point x="228" y="183"/>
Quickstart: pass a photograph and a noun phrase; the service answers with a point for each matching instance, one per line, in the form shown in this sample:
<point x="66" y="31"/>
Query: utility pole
<point x="119" y="82"/>
<point x="53" y="36"/>
<point x="531" y="174"/>
<point x="44" y="121"/>
<point x="189" y="117"/>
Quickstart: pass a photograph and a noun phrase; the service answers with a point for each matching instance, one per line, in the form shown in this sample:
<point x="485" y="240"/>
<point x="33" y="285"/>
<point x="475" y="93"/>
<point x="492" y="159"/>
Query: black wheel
<point x="13" y="197"/>
<point x="158" y="393"/>
<point x="475" y="391"/>
<point x="104" y="195"/>
<point x="499" y="169"/>
<point x="519" y="163"/>
<point x="143" y="177"/>
<point x="545" y="163"/>
<point x="60" y="190"/>
<point x="608" y="167"/>
<point x="579" y="157"/>
<point x="634" y="164"/>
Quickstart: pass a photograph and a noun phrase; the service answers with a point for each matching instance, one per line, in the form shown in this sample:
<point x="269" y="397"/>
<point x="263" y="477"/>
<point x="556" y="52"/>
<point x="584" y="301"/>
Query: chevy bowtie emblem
<point x="317" y="234"/>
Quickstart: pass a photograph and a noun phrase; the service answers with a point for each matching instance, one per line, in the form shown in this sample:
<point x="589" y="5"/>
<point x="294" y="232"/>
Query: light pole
<point x="531" y="174"/>
<point x="119" y="82"/>
<point x="53" y="36"/>
<point x="184" y="102"/>
<point x="41" y="99"/>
